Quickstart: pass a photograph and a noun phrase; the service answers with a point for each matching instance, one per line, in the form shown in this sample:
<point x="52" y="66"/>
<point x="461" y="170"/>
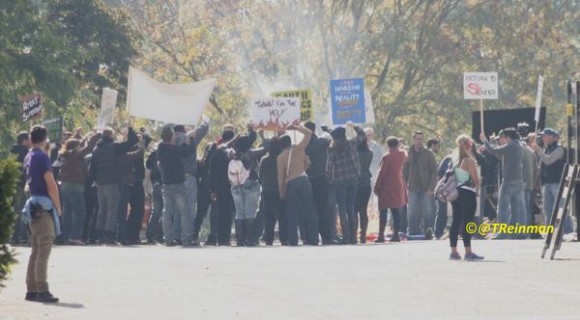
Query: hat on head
<point x="551" y="132"/>
<point x="338" y="133"/>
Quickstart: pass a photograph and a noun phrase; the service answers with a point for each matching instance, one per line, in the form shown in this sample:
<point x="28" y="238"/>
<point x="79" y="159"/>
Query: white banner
<point x="539" y="98"/>
<point x="275" y="113"/>
<point x="170" y="103"/>
<point x="480" y="86"/>
<point x="108" y="103"/>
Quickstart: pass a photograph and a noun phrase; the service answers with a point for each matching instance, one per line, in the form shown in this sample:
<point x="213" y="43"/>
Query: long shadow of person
<point x="66" y="305"/>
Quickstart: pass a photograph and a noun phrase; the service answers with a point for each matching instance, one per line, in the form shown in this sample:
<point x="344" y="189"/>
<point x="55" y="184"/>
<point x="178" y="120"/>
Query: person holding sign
<point x="511" y="202"/>
<point x="296" y="190"/>
<point x="343" y="171"/>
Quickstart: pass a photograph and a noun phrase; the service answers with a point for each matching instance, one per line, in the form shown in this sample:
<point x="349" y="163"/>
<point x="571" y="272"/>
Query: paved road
<point x="412" y="280"/>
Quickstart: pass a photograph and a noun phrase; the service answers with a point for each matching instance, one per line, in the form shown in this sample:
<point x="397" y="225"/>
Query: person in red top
<point x="390" y="188"/>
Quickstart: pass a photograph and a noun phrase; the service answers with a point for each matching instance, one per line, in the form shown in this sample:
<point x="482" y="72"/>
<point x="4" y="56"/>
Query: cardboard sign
<point x="108" y="103"/>
<point x="275" y="113"/>
<point x="31" y="106"/>
<point x="480" y="86"/>
<point x="54" y="127"/>
<point x="347" y="97"/>
<point x="305" y="97"/>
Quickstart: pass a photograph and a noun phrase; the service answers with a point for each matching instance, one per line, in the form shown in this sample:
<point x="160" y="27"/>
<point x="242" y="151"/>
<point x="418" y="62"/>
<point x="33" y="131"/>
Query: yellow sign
<point x="570" y="110"/>
<point x="305" y="96"/>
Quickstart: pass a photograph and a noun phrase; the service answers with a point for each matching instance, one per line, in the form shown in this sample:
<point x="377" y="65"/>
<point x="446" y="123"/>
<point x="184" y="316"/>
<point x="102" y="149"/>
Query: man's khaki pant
<point x="42" y="236"/>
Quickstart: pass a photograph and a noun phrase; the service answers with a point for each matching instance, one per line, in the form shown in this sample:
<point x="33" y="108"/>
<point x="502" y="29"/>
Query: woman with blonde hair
<point x="464" y="207"/>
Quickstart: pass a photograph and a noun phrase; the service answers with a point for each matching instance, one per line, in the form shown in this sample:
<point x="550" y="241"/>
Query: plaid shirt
<point x="343" y="165"/>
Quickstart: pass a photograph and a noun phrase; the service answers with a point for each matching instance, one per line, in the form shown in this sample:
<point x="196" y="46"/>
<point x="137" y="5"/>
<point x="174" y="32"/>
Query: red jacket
<point x="390" y="186"/>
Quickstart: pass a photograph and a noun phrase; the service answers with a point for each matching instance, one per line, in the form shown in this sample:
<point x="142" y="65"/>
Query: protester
<point x="243" y="175"/>
<point x="421" y="177"/>
<point x="154" y="232"/>
<point x="204" y="197"/>
<point x="440" y="207"/>
<point x="465" y="205"/>
<point x="364" y="189"/>
<point x="190" y="164"/>
<point x="272" y="204"/>
<point x="552" y="162"/>
<point x="529" y="173"/>
<point x="104" y="170"/>
<point x="41" y="212"/>
<point x="131" y="193"/>
<point x="137" y="192"/>
<point x="73" y="174"/>
<point x="221" y="189"/>
<point x="511" y="204"/>
<point x="170" y="158"/>
<point x="343" y="171"/>
<point x="20" y="150"/>
<point x="391" y="189"/>
<point x="295" y="188"/>
<point x="317" y="152"/>
<point x="378" y="152"/>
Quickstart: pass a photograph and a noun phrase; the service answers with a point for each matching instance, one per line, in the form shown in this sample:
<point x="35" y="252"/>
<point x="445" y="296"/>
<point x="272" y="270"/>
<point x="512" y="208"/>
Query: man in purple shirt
<point x="44" y="199"/>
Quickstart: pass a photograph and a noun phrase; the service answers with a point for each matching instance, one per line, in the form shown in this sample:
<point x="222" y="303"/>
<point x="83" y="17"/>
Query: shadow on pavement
<point x="67" y="305"/>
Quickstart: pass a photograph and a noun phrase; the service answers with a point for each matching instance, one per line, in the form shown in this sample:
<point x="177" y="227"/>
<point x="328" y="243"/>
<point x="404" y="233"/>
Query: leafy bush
<point x="9" y="177"/>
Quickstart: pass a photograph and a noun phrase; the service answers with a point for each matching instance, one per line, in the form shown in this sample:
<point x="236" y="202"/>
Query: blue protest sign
<point x="348" y="101"/>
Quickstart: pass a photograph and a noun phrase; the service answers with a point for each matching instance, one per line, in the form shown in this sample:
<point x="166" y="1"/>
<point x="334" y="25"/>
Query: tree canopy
<point x="412" y="54"/>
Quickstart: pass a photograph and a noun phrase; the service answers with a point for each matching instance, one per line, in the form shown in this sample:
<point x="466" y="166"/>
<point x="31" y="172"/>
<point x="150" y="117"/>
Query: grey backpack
<point x="446" y="188"/>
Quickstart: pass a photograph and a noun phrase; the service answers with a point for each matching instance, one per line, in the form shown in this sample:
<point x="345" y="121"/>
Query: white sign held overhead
<point x="170" y="103"/>
<point x="539" y="98"/>
<point x="480" y="86"/>
<point x="275" y="113"/>
<point x="108" y="103"/>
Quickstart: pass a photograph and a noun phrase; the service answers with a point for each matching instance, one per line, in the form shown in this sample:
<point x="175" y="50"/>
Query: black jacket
<point x="104" y="167"/>
<point x="20" y="152"/>
<point x="317" y="151"/>
<point x="170" y="158"/>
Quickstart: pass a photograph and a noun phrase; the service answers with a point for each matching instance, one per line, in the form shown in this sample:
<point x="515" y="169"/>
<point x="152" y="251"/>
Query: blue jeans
<point x="345" y="194"/>
<point x="246" y="199"/>
<point x="175" y="204"/>
<point x="300" y="212"/>
<point x="420" y="207"/>
<point x="511" y="203"/>
<point x="191" y="192"/>
<point x="74" y="210"/>
<point x="550" y="194"/>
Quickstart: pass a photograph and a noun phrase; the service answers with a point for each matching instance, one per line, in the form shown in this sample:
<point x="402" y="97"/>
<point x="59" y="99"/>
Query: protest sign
<point x="539" y="100"/>
<point x="108" y="103"/>
<point x="305" y="96"/>
<point x="370" y="112"/>
<point x="54" y="127"/>
<point x="480" y="85"/>
<point x="347" y="98"/>
<point x="171" y="103"/>
<point x="275" y="113"/>
<point x="31" y="106"/>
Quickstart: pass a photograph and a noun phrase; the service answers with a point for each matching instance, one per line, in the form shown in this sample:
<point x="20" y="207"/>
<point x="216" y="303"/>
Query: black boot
<point x="46" y="297"/>
<point x="353" y="231"/>
<point x="240" y="234"/>
<point x="382" y="226"/>
<point x="249" y="232"/>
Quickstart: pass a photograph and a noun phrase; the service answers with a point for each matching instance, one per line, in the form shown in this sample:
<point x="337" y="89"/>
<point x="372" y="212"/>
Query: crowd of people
<point x="254" y="183"/>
